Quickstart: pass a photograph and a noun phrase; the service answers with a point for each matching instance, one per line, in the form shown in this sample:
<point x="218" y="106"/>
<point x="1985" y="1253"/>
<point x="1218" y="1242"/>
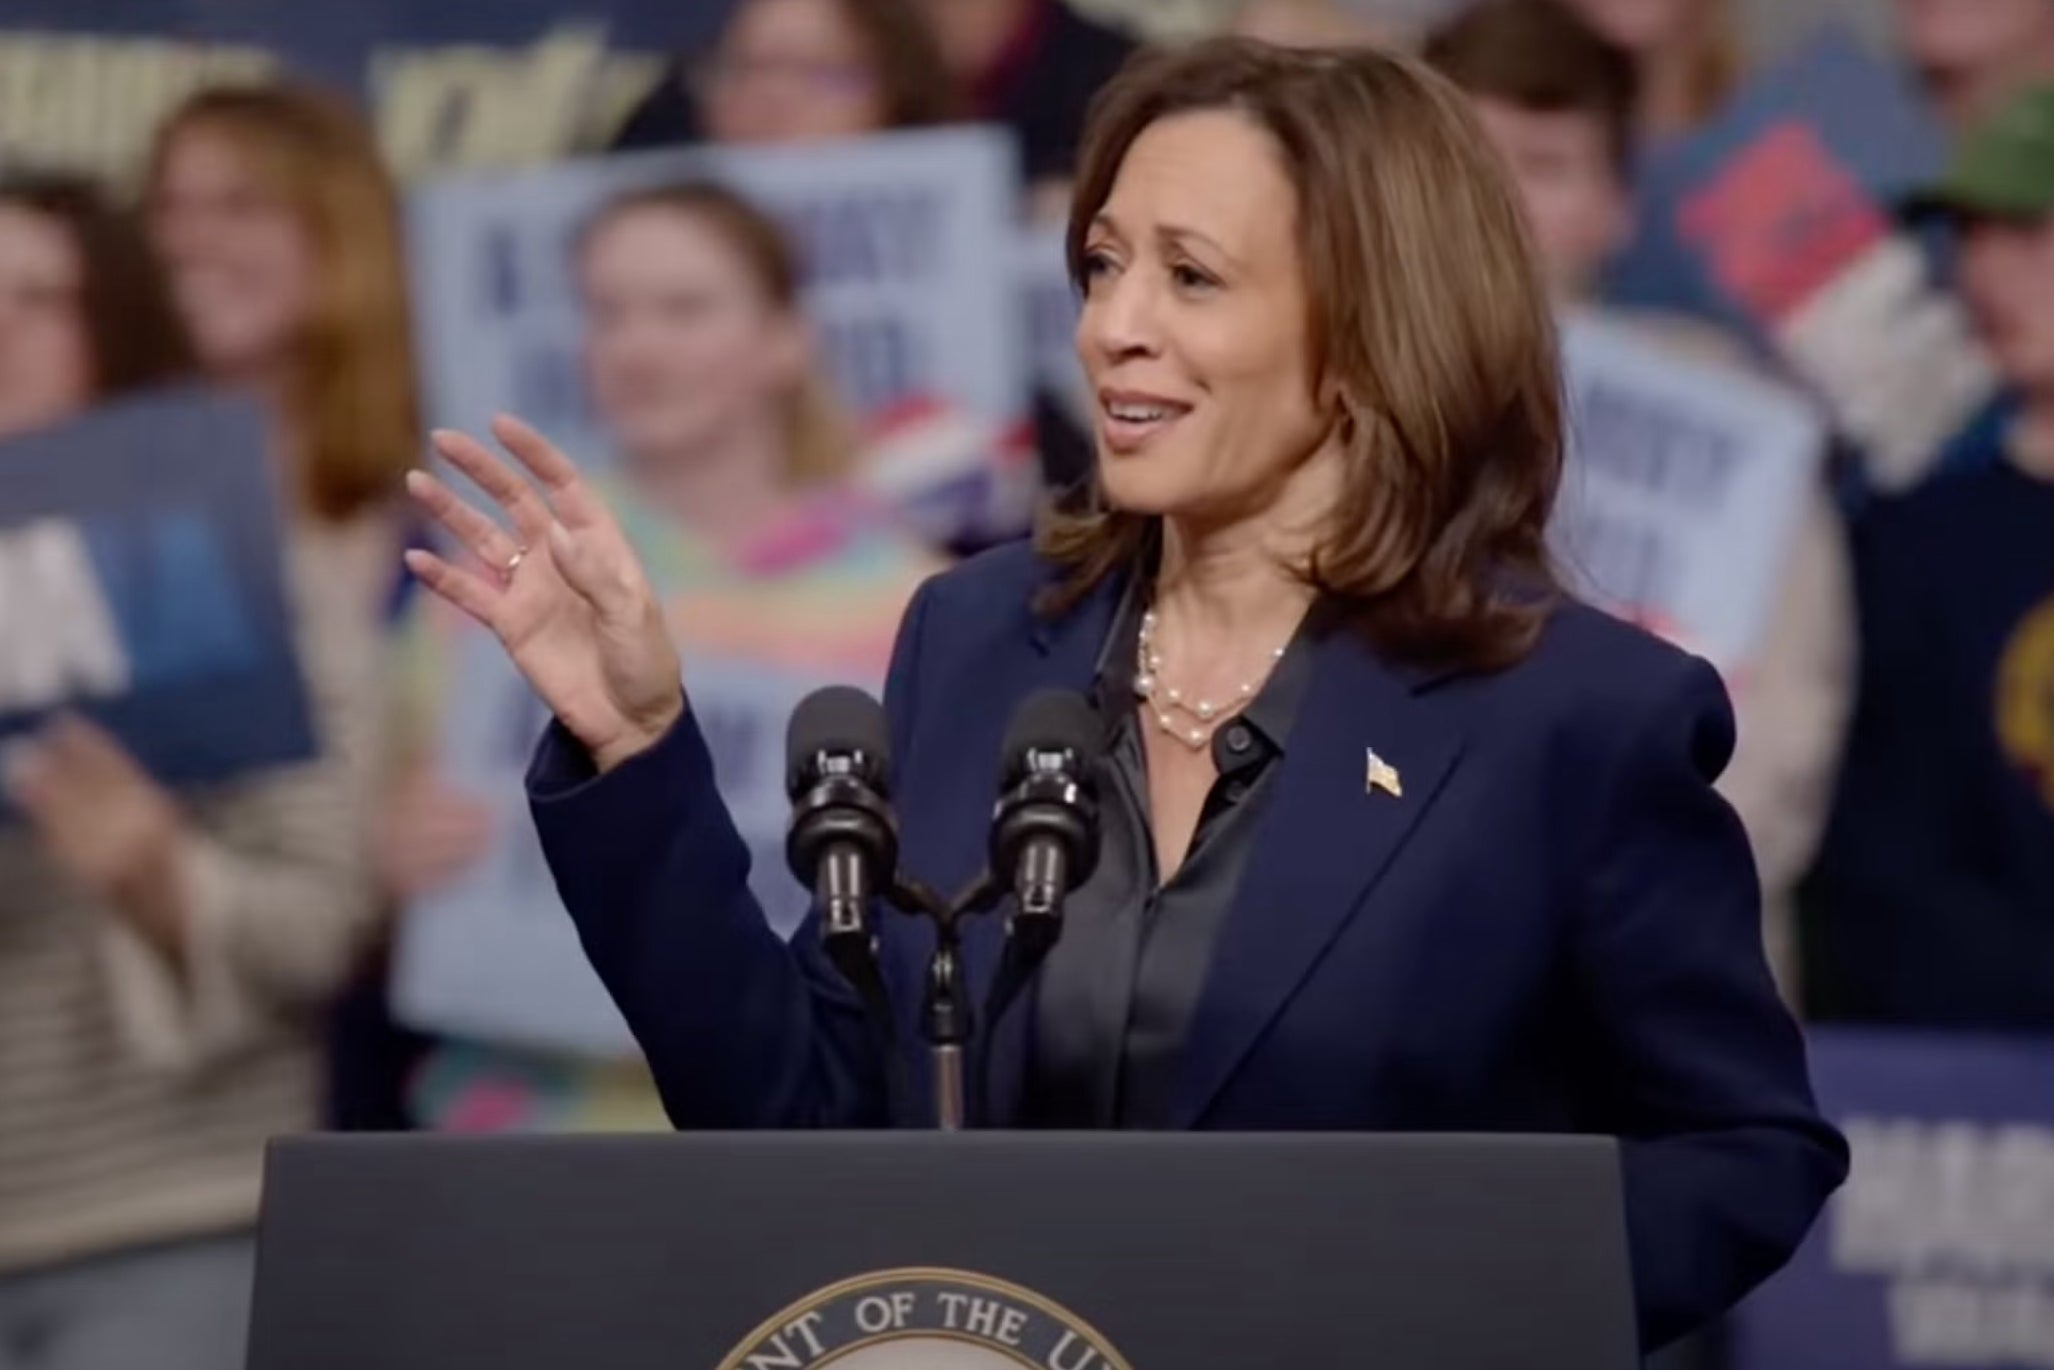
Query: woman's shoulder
<point x="1598" y="686"/>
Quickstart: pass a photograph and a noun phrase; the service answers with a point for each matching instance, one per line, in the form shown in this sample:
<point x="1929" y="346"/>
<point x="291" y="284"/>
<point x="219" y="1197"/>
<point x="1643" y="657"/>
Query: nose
<point x="1120" y="319"/>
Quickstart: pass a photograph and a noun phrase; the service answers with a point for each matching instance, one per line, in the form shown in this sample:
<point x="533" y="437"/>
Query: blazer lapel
<point x="1063" y="655"/>
<point x="1332" y="827"/>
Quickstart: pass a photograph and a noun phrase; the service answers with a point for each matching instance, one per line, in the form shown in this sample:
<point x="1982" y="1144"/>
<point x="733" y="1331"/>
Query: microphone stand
<point x="945" y="1008"/>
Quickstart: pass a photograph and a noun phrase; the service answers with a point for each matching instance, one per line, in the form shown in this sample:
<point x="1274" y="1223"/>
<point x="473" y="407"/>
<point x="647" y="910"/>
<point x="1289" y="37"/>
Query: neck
<point x="1230" y="586"/>
<point x="2032" y="437"/>
<point x="272" y="382"/>
<point x="1668" y="91"/>
<point x="724" y="490"/>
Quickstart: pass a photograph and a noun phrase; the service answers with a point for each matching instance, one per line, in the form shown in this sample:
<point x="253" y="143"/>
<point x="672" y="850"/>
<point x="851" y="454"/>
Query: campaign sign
<point x="1940" y="1249"/>
<point x="1777" y="220"/>
<point x="141" y="585"/>
<point x="495" y="957"/>
<point x="1684" y="486"/>
<point x="906" y="239"/>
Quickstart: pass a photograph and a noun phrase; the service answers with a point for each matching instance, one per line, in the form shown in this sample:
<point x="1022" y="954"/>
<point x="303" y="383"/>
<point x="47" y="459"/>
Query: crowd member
<point x="1686" y="55"/>
<point x="164" y="958"/>
<point x="1937" y="882"/>
<point x="1972" y="54"/>
<point x="1309" y="24"/>
<point x="734" y="490"/>
<point x="280" y="228"/>
<point x="1558" y="100"/>
<point x="798" y="70"/>
<point x="1033" y="66"/>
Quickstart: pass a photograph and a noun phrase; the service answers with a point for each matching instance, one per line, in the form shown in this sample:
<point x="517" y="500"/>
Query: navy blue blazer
<point x="1555" y="928"/>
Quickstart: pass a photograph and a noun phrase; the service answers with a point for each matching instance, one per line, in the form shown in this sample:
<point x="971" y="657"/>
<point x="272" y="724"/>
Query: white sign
<point x="1684" y="488"/>
<point x="907" y="240"/>
<point x="495" y="957"/>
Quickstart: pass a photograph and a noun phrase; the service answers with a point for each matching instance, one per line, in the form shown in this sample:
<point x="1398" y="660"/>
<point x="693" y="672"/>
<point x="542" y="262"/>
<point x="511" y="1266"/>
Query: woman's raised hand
<point x="563" y="592"/>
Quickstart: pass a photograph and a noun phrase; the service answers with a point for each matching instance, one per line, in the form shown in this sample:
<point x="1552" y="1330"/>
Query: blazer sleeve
<point x="740" y="1028"/>
<point x="1726" y="1160"/>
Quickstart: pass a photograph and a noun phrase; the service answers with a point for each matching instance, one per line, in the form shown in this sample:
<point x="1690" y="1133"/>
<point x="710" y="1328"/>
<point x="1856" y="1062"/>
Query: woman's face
<point x="792" y="71"/>
<point x="1195" y="332"/>
<point x="682" y="349"/>
<point x="241" y="262"/>
<point x="46" y="353"/>
<point x="1643" y="26"/>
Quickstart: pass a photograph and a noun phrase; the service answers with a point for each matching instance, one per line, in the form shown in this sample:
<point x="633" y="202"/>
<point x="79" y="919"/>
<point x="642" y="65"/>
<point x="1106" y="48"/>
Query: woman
<point x="280" y="229"/>
<point x="162" y="957"/>
<point x="798" y="71"/>
<point x="1686" y="52"/>
<point x="1434" y="848"/>
<point x="733" y="487"/>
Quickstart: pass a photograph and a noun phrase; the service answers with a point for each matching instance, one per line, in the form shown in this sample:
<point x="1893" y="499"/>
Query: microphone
<point x="1044" y="831"/>
<point x="843" y="843"/>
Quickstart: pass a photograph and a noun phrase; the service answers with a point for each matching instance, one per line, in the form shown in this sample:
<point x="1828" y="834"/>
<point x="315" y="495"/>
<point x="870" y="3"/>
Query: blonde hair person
<point x="167" y="958"/>
<point x="703" y="369"/>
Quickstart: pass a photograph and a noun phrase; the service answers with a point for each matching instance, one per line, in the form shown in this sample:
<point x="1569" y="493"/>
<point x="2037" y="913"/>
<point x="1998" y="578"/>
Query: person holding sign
<point x="1396" y="834"/>
<point x="1936" y="893"/>
<point x="771" y="570"/>
<point x="163" y="957"/>
<point x="1558" y="101"/>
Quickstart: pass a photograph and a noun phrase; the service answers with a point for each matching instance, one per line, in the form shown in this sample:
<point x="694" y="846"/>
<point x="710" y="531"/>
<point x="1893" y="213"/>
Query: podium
<point x="918" y="1251"/>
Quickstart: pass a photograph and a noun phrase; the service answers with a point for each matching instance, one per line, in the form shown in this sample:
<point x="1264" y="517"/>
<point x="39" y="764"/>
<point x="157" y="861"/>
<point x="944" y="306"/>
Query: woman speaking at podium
<point x="1397" y="835"/>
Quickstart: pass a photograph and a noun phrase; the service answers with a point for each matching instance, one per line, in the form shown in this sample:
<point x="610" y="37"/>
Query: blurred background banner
<point x="1940" y="1250"/>
<point x="1684" y="486"/>
<point x="906" y="239"/>
<point x="141" y="583"/>
<point x="1777" y="219"/>
<point x="498" y="84"/>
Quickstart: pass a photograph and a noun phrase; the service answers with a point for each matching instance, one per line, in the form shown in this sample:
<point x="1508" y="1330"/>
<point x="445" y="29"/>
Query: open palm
<point x="563" y="592"/>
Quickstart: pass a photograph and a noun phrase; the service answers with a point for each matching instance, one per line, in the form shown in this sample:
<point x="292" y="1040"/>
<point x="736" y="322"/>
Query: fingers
<point x="574" y="504"/>
<point x="530" y="515"/>
<point x="466" y="590"/>
<point x="486" y="540"/>
<point x="83" y="747"/>
<point x="610" y="584"/>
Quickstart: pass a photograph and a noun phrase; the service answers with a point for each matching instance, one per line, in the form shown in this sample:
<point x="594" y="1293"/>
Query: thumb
<point x="590" y="573"/>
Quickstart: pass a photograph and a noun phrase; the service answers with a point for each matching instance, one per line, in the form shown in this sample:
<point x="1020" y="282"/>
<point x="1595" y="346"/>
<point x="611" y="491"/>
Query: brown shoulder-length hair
<point x="354" y="408"/>
<point x="134" y="333"/>
<point x="820" y="443"/>
<point x="1431" y="338"/>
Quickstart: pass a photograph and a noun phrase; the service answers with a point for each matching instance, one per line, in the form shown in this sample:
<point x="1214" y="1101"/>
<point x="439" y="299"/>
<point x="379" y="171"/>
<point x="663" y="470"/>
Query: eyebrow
<point x="1175" y="234"/>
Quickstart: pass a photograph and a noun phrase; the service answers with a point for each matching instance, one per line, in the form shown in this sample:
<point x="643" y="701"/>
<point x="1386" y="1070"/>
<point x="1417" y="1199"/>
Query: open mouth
<point x="1129" y="422"/>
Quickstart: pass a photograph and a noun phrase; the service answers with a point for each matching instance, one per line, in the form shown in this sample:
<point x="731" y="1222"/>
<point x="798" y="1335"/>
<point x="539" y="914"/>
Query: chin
<point x="1139" y="485"/>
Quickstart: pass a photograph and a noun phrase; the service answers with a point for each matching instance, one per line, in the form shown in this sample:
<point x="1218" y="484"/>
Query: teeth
<point x="1134" y="413"/>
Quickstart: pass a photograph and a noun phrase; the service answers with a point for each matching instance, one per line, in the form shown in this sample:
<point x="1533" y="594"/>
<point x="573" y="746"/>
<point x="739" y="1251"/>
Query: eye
<point x="1097" y="262"/>
<point x="1190" y="278"/>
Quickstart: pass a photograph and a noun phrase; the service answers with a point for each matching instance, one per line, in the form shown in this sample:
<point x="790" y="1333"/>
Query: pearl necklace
<point x="1165" y="701"/>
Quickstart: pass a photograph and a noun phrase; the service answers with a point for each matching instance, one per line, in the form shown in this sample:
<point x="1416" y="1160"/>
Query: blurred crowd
<point x="183" y="975"/>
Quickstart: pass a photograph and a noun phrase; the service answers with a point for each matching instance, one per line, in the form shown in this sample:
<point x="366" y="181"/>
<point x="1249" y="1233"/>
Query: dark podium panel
<point x="1075" y="1252"/>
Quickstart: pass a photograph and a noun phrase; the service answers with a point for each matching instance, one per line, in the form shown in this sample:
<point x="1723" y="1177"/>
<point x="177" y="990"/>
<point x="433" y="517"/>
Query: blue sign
<point x="1940" y="1250"/>
<point x="140" y="584"/>
<point x="1778" y="220"/>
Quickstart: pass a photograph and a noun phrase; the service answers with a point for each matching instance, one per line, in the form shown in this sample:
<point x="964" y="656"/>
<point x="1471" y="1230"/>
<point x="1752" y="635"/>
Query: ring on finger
<point x="513" y="563"/>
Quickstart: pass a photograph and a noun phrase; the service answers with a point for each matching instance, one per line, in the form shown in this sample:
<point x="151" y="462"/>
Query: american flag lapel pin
<point x="1382" y="775"/>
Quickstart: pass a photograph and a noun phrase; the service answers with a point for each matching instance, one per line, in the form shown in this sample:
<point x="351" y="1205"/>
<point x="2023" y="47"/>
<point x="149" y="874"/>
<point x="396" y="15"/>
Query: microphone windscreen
<point x="842" y="719"/>
<point x="1055" y="720"/>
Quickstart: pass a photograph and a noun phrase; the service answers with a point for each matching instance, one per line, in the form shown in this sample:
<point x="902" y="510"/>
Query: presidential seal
<point x="924" y="1320"/>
